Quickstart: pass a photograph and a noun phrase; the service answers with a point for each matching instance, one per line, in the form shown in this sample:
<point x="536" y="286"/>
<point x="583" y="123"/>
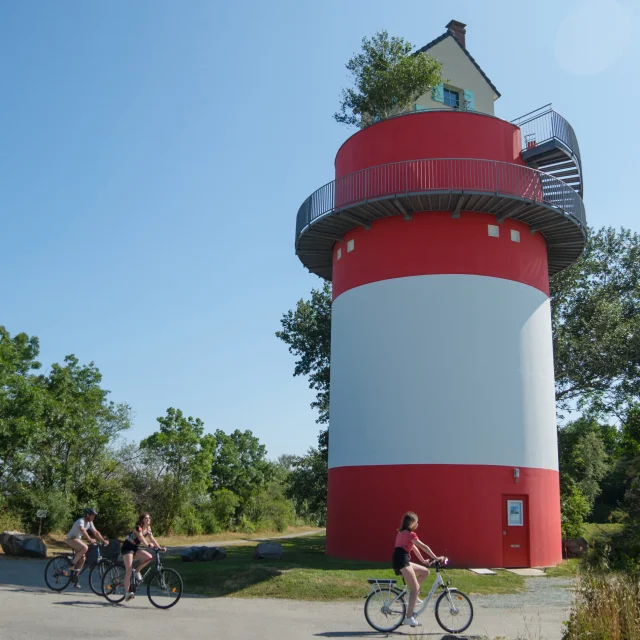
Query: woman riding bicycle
<point x="140" y="534"/>
<point x="414" y="574"/>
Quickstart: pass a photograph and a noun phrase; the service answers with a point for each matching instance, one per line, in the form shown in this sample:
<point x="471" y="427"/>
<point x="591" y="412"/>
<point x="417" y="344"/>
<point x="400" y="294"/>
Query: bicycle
<point x="387" y="600"/>
<point x="58" y="573"/>
<point x="163" y="589"/>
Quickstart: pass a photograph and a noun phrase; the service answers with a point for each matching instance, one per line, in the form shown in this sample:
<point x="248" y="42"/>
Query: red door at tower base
<point x="515" y="531"/>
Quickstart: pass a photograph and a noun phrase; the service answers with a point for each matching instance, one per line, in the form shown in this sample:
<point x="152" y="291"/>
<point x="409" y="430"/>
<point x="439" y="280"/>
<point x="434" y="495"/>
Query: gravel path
<point x="545" y="592"/>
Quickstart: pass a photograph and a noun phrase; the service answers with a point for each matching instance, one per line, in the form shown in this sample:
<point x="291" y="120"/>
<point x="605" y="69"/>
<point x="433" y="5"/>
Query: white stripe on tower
<point x="442" y="369"/>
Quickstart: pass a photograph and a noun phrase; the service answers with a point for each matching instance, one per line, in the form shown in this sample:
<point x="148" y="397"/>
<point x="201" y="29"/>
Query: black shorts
<point x="129" y="547"/>
<point x="401" y="559"/>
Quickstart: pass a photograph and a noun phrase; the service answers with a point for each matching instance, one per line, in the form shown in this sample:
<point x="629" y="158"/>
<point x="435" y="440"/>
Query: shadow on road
<point x="412" y="634"/>
<point x="28" y="573"/>
<point x="87" y="605"/>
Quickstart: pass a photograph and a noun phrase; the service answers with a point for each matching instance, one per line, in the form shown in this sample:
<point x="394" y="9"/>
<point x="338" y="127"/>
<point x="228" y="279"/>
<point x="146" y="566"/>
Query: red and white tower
<point x="439" y="235"/>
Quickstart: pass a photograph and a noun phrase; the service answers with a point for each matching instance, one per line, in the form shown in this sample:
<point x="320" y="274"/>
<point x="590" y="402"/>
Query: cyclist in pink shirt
<point x="414" y="574"/>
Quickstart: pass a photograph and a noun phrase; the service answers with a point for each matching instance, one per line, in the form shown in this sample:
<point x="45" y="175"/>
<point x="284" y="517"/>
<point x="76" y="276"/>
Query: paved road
<point x="30" y="611"/>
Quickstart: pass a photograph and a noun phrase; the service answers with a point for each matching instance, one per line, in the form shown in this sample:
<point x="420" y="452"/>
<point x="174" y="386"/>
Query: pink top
<point x="405" y="540"/>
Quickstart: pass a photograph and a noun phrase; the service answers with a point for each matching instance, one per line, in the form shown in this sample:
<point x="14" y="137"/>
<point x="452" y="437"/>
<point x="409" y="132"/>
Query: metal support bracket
<point x="458" y="208"/>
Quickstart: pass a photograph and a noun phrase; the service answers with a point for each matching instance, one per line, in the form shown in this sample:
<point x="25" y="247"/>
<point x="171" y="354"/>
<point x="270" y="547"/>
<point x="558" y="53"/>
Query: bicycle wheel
<point x="57" y="573"/>
<point x="456" y="609"/>
<point x="165" y="588"/>
<point x="385" y="609"/>
<point x="113" y="583"/>
<point x="96" y="575"/>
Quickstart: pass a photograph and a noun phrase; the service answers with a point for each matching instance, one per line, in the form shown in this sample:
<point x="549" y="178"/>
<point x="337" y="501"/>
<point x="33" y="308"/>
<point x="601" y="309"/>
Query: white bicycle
<point x="386" y="606"/>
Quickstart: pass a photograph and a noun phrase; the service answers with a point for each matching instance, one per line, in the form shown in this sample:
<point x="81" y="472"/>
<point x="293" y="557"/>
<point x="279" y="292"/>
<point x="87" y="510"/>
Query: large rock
<point x="15" y="543"/>
<point x="203" y="554"/>
<point x="574" y="547"/>
<point x="268" y="551"/>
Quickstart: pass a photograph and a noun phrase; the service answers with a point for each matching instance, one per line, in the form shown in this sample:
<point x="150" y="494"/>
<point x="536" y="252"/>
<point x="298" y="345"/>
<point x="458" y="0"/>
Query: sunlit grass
<point x="306" y="573"/>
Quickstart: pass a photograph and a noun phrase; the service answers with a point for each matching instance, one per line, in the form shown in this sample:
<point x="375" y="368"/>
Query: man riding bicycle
<point x="81" y="527"/>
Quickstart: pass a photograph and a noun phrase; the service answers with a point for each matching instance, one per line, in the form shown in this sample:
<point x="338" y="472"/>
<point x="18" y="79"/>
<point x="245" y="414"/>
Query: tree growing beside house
<point x="387" y="79"/>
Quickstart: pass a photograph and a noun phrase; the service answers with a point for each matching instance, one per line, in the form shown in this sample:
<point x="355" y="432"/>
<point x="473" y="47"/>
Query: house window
<point x="339" y="253"/>
<point x="494" y="230"/>
<point x="451" y="98"/>
<point x="515" y="235"/>
<point x="350" y="244"/>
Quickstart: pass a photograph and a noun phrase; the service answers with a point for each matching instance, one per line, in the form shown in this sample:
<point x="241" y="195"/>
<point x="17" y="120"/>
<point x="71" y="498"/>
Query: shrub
<point x="607" y="607"/>
<point x="270" y="509"/>
<point x="60" y="509"/>
<point x="10" y="521"/>
<point x="189" y="523"/>
<point x="222" y="506"/>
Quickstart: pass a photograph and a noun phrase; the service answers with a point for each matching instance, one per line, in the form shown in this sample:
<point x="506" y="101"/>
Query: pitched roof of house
<point x="448" y="34"/>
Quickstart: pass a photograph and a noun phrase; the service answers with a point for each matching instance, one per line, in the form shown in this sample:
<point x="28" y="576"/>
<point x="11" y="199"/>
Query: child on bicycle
<point x="81" y="527"/>
<point x="413" y="574"/>
<point x="140" y="534"/>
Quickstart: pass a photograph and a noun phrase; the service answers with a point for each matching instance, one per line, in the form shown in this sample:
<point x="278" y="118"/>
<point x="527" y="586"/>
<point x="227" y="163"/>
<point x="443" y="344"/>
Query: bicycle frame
<point x="438" y="582"/>
<point x="70" y="555"/>
<point x="158" y="568"/>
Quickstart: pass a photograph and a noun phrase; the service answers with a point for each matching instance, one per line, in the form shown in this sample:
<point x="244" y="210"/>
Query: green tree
<point x="307" y="486"/>
<point x="595" y="307"/>
<point x="239" y="464"/>
<point x="574" y="509"/>
<point x="583" y="456"/>
<point x="307" y="332"/>
<point x="78" y="424"/>
<point x="387" y="79"/>
<point x="181" y="455"/>
<point x="21" y="406"/>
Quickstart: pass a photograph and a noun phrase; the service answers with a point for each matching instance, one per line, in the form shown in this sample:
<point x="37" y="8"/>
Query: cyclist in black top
<point x="140" y="534"/>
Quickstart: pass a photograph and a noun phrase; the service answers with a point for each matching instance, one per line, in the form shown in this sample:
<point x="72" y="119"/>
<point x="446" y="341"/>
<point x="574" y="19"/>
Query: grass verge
<point x="55" y="541"/>
<point x="306" y="573"/>
<point x="566" y="569"/>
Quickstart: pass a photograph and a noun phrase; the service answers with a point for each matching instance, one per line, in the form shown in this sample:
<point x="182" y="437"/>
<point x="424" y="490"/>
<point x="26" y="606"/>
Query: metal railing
<point x="537" y="126"/>
<point x="440" y="175"/>
<point x="544" y="124"/>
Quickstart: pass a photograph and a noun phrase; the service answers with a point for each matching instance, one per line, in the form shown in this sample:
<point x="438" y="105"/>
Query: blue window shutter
<point x="437" y="93"/>
<point x="470" y="97"/>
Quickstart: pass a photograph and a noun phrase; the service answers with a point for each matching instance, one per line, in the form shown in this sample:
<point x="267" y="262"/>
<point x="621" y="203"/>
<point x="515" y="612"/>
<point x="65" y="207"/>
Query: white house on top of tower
<point x="466" y="86"/>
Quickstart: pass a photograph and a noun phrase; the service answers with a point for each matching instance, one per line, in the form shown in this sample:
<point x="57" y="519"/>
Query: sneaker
<point x="412" y="622"/>
<point x="77" y="585"/>
<point x="128" y="596"/>
<point x="138" y="576"/>
<point x="418" y="601"/>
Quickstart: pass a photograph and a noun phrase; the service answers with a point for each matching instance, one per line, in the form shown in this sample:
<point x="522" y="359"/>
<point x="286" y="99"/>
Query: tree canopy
<point x="387" y="79"/>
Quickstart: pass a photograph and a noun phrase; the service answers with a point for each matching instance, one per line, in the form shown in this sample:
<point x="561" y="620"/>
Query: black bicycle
<point x="164" y="586"/>
<point x="58" y="573"/>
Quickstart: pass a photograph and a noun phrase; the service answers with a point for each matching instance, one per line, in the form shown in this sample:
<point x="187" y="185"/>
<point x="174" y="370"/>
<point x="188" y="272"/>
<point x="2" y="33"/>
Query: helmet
<point x="90" y="512"/>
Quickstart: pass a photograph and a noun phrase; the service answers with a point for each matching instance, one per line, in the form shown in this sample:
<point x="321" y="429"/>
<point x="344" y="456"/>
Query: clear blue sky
<point x="154" y="155"/>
